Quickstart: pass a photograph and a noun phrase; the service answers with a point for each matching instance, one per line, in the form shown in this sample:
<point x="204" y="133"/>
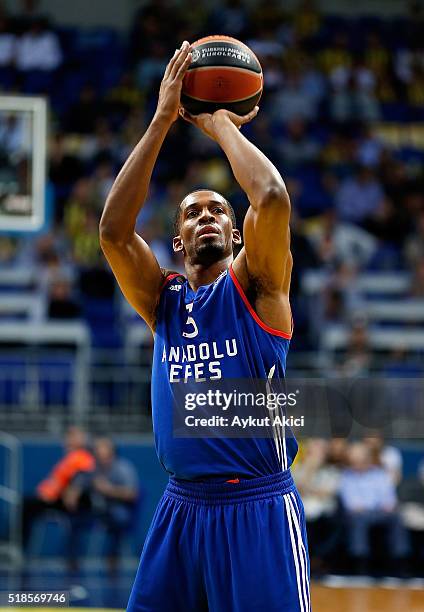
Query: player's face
<point x="206" y="228"/>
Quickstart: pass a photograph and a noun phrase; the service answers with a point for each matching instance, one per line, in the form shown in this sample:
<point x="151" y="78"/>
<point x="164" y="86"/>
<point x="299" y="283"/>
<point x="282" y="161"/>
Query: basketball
<point x="224" y="73"/>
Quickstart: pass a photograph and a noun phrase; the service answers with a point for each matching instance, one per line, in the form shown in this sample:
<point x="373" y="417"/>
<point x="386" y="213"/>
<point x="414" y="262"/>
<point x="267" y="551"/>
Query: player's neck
<point x="198" y="274"/>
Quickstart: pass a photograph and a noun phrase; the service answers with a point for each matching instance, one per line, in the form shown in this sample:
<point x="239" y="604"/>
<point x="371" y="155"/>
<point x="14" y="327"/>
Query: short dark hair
<point x="177" y="216"/>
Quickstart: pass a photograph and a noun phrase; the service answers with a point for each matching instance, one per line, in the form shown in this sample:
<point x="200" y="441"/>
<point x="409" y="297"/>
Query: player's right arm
<point x="131" y="259"/>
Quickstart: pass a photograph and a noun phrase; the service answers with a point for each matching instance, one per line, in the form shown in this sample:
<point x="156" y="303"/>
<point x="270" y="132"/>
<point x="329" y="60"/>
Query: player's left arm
<point x="263" y="267"/>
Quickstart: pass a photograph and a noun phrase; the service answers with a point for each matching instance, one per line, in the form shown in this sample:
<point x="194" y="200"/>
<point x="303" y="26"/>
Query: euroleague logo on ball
<point x="195" y="55"/>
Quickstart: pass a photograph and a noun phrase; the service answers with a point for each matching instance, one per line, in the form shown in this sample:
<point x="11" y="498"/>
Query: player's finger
<point x="252" y="114"/>
<point x="180" y="59"/>
<point x="171" y="63"/>
<point x="249" y="116"/>
<point x="174" y="58"/>
<point x="186" y="115"/>
<point x="183" y="68"/>
<point x="180" y="67"/>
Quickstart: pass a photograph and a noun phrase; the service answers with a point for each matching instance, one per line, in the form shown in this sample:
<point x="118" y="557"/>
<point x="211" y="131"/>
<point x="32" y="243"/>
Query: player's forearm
<point x="129" y="191"/>
<point x="254" y="172"/>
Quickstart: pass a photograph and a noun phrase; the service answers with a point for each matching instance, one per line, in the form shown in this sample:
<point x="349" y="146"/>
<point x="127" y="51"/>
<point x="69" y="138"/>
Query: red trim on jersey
<point x="270" y="330"/>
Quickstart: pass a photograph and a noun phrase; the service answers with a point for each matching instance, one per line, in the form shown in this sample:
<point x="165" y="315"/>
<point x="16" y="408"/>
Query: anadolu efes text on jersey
<point x="214" y="334"/>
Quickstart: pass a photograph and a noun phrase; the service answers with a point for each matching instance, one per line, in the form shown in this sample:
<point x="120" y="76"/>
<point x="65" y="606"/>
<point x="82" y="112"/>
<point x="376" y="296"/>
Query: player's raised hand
<point x="170" y="88"/>
<point x="207" y="121"/>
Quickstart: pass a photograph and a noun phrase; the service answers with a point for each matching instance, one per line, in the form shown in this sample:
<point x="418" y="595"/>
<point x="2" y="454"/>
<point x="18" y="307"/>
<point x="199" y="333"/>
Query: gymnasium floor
<point x="366" y="599"/>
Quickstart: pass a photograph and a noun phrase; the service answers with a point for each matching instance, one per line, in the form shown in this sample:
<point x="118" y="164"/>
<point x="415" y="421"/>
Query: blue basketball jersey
<point x="214" y="333"/>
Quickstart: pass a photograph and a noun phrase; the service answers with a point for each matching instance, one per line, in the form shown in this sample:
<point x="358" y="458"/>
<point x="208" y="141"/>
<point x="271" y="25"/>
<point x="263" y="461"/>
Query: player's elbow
<point x="275" y="195"/>
<point x="109" y="232"/>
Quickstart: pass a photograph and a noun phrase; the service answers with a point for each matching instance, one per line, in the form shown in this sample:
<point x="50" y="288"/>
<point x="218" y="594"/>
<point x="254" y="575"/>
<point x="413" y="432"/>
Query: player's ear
<point x="236" y="236"/>
<point x="177" y="244"/>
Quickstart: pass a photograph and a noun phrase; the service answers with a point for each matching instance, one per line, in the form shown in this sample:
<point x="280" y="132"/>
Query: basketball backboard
<point x="22" y="163"/>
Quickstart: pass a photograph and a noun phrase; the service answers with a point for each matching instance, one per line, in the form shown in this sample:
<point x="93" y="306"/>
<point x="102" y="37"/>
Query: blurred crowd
<point x="89" y="486"/>
<point x="341" y="117"/>
<point x="330" y="84"/>
<point x="362" y="515"/>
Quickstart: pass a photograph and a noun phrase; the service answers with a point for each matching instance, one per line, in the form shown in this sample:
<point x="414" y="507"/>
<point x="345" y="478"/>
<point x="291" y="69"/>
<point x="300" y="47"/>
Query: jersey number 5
<point x="192" y="322"/>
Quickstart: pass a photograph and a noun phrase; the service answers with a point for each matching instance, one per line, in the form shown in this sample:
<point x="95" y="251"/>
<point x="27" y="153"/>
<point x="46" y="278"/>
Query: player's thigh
<point x="259" y="561"/>
<point x="167" y="578"/>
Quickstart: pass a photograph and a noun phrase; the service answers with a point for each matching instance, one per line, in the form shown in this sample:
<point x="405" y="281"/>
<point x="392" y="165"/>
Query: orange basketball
<point x="224" y="73"/>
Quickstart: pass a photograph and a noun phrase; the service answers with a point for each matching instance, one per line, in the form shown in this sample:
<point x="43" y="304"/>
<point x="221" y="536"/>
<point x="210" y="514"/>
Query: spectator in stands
<point x="154" y="20"/>
<point x="297" y="148"/>
<point x="65" y="168"/>
<point x="230" y="17"/>
<point x="365" y="104"/>
<point x="390" y="225"/>
<point x="153" y="234"/>
<point x="385" y="456"/>
<point x="338" y="155"/>
<point x="376" y="55"/>
<point x="38" y="48"/>
<point x="357" y="361"/>
<point x="337" y="242"/>
<point x="80" y="216"/>
<point x="369" y="498"/>
<point x="124" y="97"/>
<point x="359" y="197"/>
<point x="150" y="69"/>
<point x="113" y="490"/>
<point x="414" y="246"/>
<point x="338" y="452"/>
<point x="342" y="95"/>
<point x="55" y="492"/>
<point x="50" y="266"/>
<point x="83" y="114"/>
<point x="318" y="480"/>
<point x="370" y="147"/>
<point x="61" y="304"/>
<point x="337" y="54"/>
<point x="8" y="252"/>
<point x="265" y="43"/>
<point x="417" y="285"/>
<point x="104" y="176"/>
<point x="292" y="101"/>
<point x="411" y="497"/>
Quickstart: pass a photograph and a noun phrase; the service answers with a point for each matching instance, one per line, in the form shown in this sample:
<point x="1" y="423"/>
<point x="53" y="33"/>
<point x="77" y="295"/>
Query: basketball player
<point x="229" y="533"/>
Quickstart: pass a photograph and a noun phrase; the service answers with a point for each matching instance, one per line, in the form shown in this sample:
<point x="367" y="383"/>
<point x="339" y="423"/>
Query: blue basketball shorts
<point x="237" y="546"/>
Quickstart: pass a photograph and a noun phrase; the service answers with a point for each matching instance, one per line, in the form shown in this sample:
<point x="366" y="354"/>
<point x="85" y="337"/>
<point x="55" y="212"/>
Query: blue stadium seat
<point x="13" y="379"/>
<point x="56" y="377"/>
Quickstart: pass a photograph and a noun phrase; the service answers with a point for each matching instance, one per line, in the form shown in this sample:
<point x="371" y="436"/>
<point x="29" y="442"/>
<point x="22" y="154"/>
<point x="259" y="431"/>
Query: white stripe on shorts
<point x="302" y="550"/>
<point x="295" y="551"/>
